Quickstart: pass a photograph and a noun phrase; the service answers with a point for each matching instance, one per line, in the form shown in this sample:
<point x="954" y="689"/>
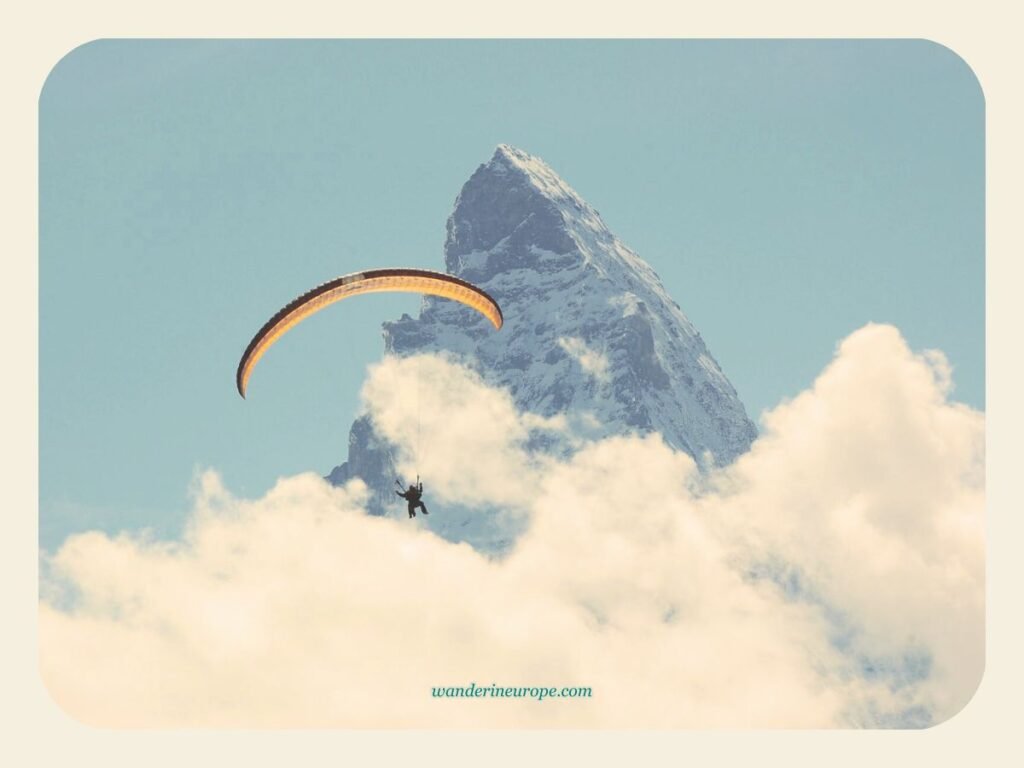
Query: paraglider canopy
<point x="372" y="281"/>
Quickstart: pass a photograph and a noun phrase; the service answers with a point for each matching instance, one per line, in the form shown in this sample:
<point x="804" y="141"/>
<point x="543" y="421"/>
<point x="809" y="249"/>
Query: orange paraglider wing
<point x="372" y="281"/>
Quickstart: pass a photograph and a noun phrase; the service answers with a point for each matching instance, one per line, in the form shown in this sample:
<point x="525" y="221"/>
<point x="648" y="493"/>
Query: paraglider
<point x="414" y="497"/>
<point x="371" y="281"/>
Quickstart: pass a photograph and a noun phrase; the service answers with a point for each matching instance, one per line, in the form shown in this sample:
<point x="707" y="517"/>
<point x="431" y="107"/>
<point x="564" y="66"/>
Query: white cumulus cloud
<point x="832" y="576"/>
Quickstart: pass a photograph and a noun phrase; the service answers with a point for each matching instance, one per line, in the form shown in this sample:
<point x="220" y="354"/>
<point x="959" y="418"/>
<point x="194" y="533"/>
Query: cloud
<point x="593" y="362"/>
<point x="832" y="576"/>
<point x="468" y="438"/>
<point x="870" y="486"/>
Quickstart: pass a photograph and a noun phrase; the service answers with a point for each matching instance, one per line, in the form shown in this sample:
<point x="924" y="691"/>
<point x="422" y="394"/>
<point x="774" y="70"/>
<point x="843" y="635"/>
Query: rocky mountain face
<point x="589" y="330"/>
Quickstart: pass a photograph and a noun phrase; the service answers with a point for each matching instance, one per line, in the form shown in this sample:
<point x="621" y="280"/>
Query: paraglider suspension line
<point x="419" y="376"/>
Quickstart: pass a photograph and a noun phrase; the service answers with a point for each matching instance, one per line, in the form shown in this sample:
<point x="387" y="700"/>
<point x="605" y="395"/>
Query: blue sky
<point x="786" y="192"/>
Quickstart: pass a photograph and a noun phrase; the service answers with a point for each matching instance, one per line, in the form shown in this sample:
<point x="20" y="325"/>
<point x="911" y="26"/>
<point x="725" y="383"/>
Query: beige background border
<point x="36" y="733"/>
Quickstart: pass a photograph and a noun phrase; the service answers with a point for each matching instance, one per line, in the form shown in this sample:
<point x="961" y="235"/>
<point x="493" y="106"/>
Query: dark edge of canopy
<point x="332" y="284"/>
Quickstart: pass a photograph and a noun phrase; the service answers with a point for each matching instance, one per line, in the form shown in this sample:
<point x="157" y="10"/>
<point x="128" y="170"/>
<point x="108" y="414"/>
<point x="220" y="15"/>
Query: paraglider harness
<point x="413" y="497"/>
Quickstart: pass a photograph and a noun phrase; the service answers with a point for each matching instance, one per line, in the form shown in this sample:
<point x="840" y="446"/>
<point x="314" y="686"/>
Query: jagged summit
<point x="516" y="200"/>
<point x="590" y="331"/>
<point x="541" y="177"/>
<point x="511" y="200"/>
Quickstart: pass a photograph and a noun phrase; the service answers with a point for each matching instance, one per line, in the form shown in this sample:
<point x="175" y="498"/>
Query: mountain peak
<point x="540" y="176"/>
<point x="513" y="198"/>
<point x="513" y="158"/>
<point x="509" y="153"/>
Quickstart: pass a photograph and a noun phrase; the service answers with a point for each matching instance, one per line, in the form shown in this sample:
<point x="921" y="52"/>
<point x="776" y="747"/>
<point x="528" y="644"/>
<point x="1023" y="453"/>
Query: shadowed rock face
<point x="368" y="458"/>
<point x="589" y="329"/>
<point x="498" y="206"/>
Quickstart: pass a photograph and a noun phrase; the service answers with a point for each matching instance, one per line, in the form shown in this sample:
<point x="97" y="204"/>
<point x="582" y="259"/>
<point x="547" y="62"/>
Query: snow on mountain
<point x="589" y="332"/>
